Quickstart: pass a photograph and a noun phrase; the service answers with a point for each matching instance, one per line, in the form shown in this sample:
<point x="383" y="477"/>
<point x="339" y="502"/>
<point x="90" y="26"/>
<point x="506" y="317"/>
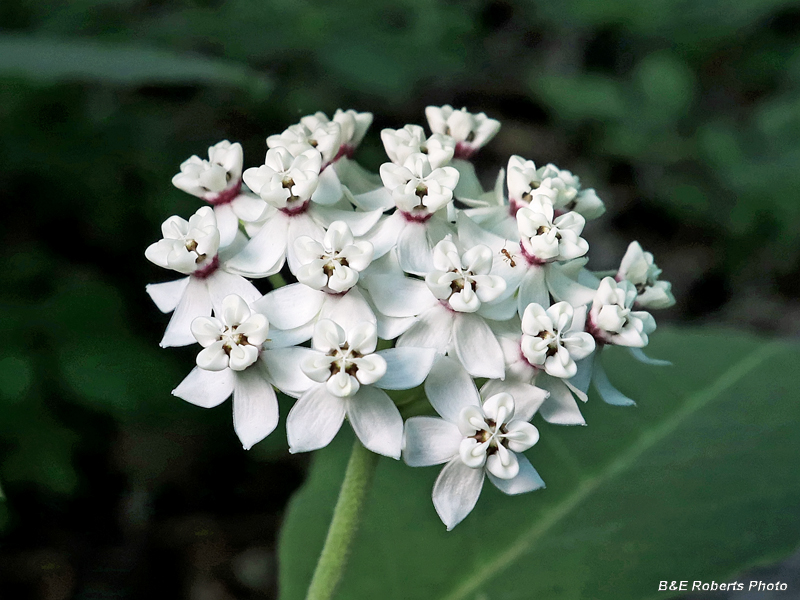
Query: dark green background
<point x="684" y="115"/>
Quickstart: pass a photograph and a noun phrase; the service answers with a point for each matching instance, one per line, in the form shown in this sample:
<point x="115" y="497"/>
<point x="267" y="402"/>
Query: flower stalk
<point x="344" y="524"/>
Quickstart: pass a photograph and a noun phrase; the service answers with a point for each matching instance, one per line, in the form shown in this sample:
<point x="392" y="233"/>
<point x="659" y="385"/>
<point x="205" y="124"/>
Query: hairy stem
<point x="344" y="525"/>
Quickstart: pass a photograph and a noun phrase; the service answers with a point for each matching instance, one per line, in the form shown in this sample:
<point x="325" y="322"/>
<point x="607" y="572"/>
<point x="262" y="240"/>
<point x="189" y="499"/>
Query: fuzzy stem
<point x="344" y="524"/>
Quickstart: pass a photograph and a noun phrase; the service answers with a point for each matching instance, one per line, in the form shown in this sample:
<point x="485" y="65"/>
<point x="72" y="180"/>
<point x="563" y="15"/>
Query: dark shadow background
<point x="684" y="116"/>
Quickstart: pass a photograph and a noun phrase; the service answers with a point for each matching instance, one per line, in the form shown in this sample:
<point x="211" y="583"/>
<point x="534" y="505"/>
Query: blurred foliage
<point x="637" y="495"/>
<point x="685" y="116"/>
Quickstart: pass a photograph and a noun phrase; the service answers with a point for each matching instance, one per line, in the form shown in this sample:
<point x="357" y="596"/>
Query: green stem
<point x="344" y="525"/>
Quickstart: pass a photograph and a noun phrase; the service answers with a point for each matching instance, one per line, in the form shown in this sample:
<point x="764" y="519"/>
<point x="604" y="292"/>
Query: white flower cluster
<point x="416" y="276"/>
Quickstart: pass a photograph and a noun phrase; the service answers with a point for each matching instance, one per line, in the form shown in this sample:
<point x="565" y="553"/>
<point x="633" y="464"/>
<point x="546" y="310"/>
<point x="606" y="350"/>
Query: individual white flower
<point x="449" y="305"/>
<point x="402" y="143"/>
<point x="353" y="126"/>
<point x="218" y="181"/>
<point x="475" y="439"/>
<point x="612" y="320"/>
<point x="304" y="200"/>
<point x="327" y="275"/>
<point x="639" y="268"/>
<point x="334" y="264"/>
<point x="233" y="361"/>
<point x="325" y="137"/>
<point x="546" y="238"/>
<point x="554" y="339"/>
<point x="419" y="189"/>
<point x="463" y="281"/>
<point x="191" y="248"/>
<point x="349" y="380"/>
<point x="470" y="131"/>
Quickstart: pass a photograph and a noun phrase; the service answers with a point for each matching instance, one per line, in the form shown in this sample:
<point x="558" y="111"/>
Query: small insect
<point x="509" y="257"/>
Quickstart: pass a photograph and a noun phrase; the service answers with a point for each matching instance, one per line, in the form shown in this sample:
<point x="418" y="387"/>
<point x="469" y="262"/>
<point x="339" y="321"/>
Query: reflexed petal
<point x="329" y="188"/>
<point x="526" y="480"/>
<point x="166" y="296"/>
<point x="290" y="306"/>
<point x="469" y="186"/>
<point x="533" y="289"/>
<point x="376" y="421"/>
<point x="450" y="389"/>
<point x="607" y="391"/>
<point x="383" y="236"/>
<point x="400" y="297"/>
<point x="456" y="492"/>
<point x="255" y="407"/>
<point x="358" y="222"/>
<point x="194" y="303"/>
<point x="348" y="310"/>
<point x="284" y="372"/>
<point x="639" y="355"/>
<point x="265" y="252"/>
<point x="477" y="347"/>
<point x="405" y="367"/>
<point x="414" y="249"/>
<point x="433" y="329"/>
<point x="527" y="398"/>
<point x="205" y="388"/>
<point x="377" y="199"/>
<point x="560" y="407"/>
<point x="314" y="420"/>
<point x="227" y="223"/>
<point x="222" y="284"/>
<point x="429" y="441"/>
<point x="213" y="358"/>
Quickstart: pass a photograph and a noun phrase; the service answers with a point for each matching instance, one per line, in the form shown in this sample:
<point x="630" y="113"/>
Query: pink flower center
<point x="226" y="196"/>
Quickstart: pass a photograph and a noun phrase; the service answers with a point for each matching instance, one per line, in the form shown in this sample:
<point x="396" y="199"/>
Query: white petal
<point x="328" y="336"/>
<point x="406" y="367"/>
<point x="213" y="358"/>
<point x="456" y="492"/>
<point x="283" y="369"/>
<point x="429" y="441"/>
<point x="241" y="357"/>
<point x="527" y="398"/>
<point x="414" y="249"/>
<point x="499" y="407"/>
<point x="265" y="252"/>
<point x="301" y="225"/>
<point x="194" y="303"/>
<point x="358" y="222"/>
<point x="560" y="407"/>
<point x="526" y="480"/>
<point x="329" y="188"/>
<point x="342" y="385"/>
<point x="376" y="421"/>
<point x="377" y="199"/>
<point x="348" y="310"/>
<point x="280" y="338"/>
<point x="314" y="420"/>
<point x="205" y="388"/>
<point x="400" y="297"/>
<point x="255" y="406"/>
<point x="370" y="368"/>
<point x="383" y="236"/>
<point x="469" y="186"/>
<point x="639" y="355"/>
<point x="473" y="453"/>
<point x="234" y="310"/>
<point x="363" y="337"/>
<point x="433" y="329"/>
<point x="521" y="435"/>
<point x="166" y="296"/>
<point x="607" y="391"/>
<point x="227" y="223"/>
<point x="564" y="288"/>
<point x="221" y="284"/>
<point x="477" y="347"/>
<point x="207" y="330"/>
<point x="290" y="306"/>
<point x="450" y="389"/>
<point x="533" y="289"/>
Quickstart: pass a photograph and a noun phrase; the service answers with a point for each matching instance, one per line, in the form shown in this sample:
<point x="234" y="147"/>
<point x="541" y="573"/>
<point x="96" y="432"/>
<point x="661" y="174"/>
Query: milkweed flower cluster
<point x="415" y="277"/>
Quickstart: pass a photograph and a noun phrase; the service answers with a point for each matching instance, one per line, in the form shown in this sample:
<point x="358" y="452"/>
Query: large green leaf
<point x="696" y="483"/>
<point x="52" y="60"/>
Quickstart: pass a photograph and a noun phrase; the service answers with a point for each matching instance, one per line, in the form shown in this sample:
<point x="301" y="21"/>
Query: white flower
<point x="449" y="318"/>
<point x="523" y="179"/>
<point x="286" y="180"/>
<point x="474" y="439"/>
<point x="553" y="339"/>
<point x="402" y="143"/>
<point x="328" y="273"/>
<point x="611" y="319"/>
<point x="190" y="247"/>
<point x="334" y="264"/>
<point x="353" y="126"/>
<point x="208" y="179"/>
<point x="463" y="280"/>
<point x="546" y="239"/>
<point x="471" y="131"/>
<point x="348" y="375"/>
<point x="234" y="362"/>
<point x="418" y="189"/>
<point x="233" y="340"/>
<point x="325" y="137"/>
<point x="638" y="267"/>
<point x="187" y="246"/>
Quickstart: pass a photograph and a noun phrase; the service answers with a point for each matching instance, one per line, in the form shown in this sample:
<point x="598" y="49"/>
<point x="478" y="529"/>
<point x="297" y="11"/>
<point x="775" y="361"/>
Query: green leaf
<point x="52" y="60"/>
<point x="695" y="483"/>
